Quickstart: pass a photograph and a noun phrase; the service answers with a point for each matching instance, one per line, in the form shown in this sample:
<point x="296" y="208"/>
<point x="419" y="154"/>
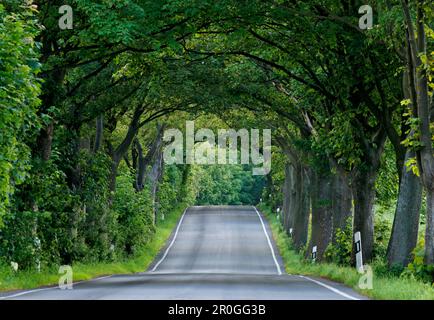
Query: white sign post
<point x="314" y="250"/>
<point x="358" y="251"/>
<point x="290" y="232"/>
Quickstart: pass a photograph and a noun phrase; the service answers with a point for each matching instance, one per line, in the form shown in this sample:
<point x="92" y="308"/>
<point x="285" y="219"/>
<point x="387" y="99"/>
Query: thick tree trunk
<point x="429" y="232"/>
<point x="419" y="88"/>
<point x="322" y="215"/>
<point x="287" y="213"/>
<point x="301" y="216"/>
<point x="363" y="186"/>
<point x="342" y="201"/>
<point x="296" y="194"/>
<point x="406" y="222"/>
<point x="44" y="142"/>
<point x="123" y="147"/>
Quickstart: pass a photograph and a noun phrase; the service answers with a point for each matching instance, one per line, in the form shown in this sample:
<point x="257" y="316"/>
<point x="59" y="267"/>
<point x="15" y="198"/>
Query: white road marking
<point x="171" y="243"/>
<point x="23" y="293"/>
<point x="330" y="288"/>
<point x="269" y="242"/>
<point x="50" y="288"/>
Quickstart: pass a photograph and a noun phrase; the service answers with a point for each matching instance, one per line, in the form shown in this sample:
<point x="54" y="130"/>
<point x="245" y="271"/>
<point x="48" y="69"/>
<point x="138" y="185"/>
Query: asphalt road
<point x="224" y="252"/>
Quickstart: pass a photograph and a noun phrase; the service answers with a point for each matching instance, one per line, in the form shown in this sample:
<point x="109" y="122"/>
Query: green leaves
<point x="19" y="91"/>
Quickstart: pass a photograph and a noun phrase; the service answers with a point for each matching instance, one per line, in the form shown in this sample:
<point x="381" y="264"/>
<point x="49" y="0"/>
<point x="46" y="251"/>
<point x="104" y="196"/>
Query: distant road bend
<point x="219" y="252"/>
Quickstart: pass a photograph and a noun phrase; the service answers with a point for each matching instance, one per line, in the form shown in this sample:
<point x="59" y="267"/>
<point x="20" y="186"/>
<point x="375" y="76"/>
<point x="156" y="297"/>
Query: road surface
<point x="224" y="252"/>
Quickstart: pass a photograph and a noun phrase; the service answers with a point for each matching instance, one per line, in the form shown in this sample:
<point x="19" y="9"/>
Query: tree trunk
<point x="363" y="186"/>
<point x="322" y="216"/>
<point x="154" y="151"/>
<point x="44" y="141"/>
<point x="123" y="147"/>
<point x="419" y="88"/>
<point x="342" y="201"/>
<point x="287" y="214"/>
<point x="406" y="222"/>
<point x="301" y="216"/>
<point x="429" y="232"/>
<point x="154" y="179"/>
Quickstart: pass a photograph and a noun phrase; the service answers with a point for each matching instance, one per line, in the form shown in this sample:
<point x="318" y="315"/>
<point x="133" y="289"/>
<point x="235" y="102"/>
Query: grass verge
<point x="10" y="280"/>
<point x="384" y="287"/>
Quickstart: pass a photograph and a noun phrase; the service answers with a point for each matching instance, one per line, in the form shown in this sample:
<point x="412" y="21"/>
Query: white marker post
<point x="314" y="250"/>
<point x="290" y="232"/>
<point x="358" y="251"/>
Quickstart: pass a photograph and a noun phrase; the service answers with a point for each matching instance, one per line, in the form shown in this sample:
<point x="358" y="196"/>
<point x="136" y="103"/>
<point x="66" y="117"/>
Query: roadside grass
<point x="10" y="280"/>
<point x="385" y="287"/>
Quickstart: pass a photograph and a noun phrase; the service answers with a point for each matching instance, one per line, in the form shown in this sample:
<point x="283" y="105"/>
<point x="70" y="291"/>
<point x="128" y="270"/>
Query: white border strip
<point x="25" y="292"/>
<point x="343" y="294"/>
<point x="171" y="243"/>
<point x="50" y="288"/>
<point x="269" y="242"/>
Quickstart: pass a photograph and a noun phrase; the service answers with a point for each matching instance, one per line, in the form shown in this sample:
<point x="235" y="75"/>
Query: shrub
<point x="18" y="97"/>
<point x="417" y="268"/>
<point x="134" y="215"/>
<point x="340" y="251"/>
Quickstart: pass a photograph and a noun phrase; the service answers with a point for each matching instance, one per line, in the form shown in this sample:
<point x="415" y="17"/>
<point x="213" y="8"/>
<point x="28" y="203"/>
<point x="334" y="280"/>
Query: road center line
<point x="171" y="243"/>
<point x="269" y="242"/>
<point x="330" y="288"/>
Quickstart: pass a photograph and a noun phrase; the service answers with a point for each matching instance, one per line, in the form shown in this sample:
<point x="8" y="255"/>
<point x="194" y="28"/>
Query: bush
<point x="134" y="215"/>
<point x="94" y="219"/>
<point x="382" y="231"/>
<point x="417" y="268"/>
<point x="168" y="190"/>
<point x="18" y="97"/>
<point x="340" y="251"/>
<point x="40" y="212"/>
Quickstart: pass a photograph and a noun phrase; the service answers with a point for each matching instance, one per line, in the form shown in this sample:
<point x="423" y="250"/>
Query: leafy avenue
<point x="84" y="110"/>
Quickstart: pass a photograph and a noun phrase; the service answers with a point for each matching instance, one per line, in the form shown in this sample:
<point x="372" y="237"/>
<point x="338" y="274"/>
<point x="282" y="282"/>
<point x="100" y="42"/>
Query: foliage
<point x="328" y="90"/>
<point x="134" y="216"/>
<point x="229" y="185"/>
<point x="28" y="279"/>
<point x="417" y="268"/>
<point x="19" y="91"/>
<point x="168" y="195"/>
<point x="387" y="183"/>
<point x="340" y="251"/>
